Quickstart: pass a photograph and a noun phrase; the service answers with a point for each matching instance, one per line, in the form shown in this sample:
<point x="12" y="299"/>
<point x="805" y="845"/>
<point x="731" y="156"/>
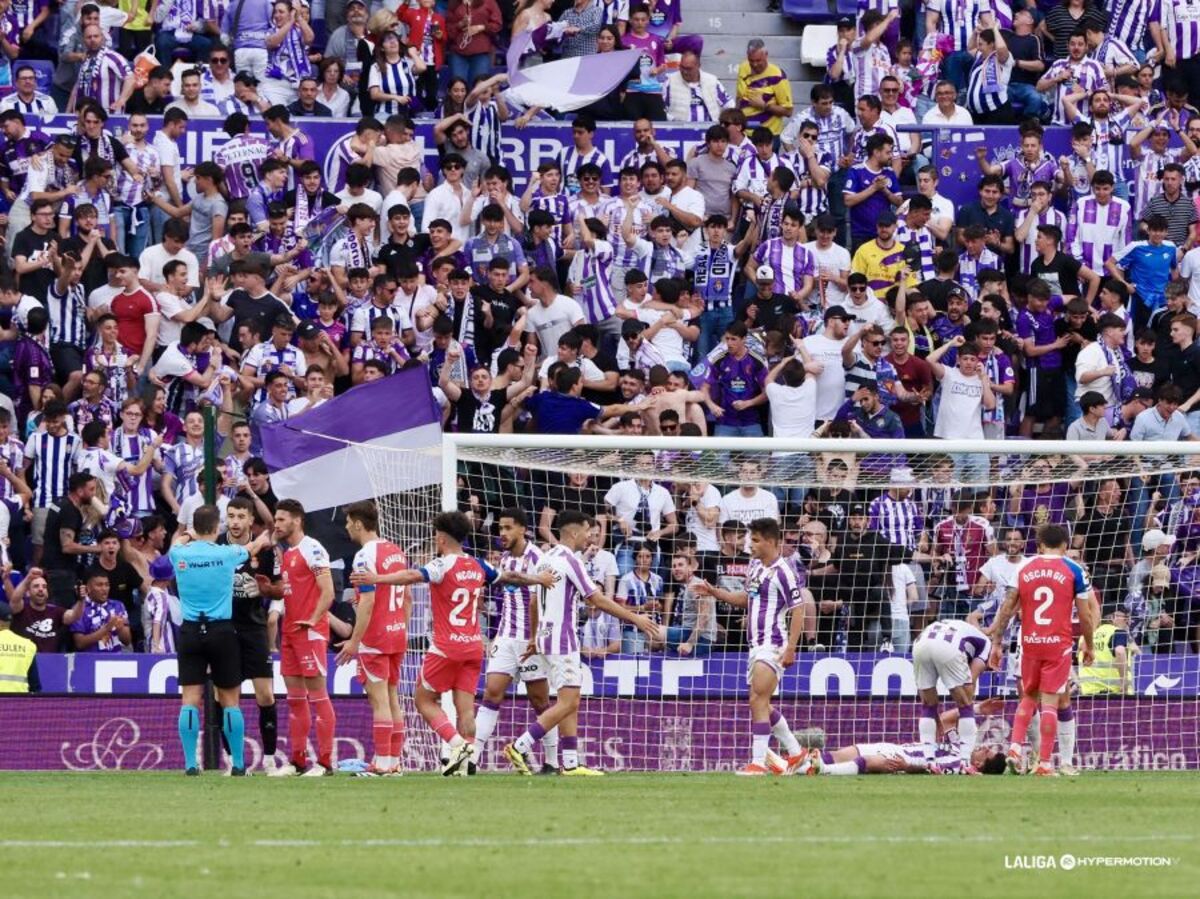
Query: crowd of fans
<point x="798" y="274"/>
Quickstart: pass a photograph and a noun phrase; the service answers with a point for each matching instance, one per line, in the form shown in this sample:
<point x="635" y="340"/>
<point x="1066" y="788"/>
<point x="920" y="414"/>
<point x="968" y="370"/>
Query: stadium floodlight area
<point x="885" y="537"/>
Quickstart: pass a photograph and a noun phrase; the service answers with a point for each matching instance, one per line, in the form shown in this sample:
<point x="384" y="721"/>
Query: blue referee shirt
<point x="204" y="573"/>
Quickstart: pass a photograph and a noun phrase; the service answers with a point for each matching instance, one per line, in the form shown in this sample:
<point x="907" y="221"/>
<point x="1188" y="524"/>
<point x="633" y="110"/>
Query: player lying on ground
<point x="506" y="656"/>
<point x="380" y="636"/>
<point x="1047" y="587"/>
<point x="771" y="595"/>
<point x="952" y="755"/>
<point x="455" y="657"/>
<point x="553" y="615"/>
<point x="956" y="653"/>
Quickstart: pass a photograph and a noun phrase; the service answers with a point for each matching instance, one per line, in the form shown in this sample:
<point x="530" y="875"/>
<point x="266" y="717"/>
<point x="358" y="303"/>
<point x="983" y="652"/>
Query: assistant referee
<point x="204" y="575"/>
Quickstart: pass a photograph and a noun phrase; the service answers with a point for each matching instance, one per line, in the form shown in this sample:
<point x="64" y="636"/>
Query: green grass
<point x="621" y="836"/>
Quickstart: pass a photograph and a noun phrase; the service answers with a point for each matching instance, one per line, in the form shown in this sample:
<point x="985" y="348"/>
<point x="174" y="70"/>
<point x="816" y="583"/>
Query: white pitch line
<point x="585" y="842"/>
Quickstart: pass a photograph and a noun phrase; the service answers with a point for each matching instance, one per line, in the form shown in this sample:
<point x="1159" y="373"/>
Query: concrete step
<point x="725" y="44"/>
<point x="724" y="20"/>
<point x="726" y="65"/>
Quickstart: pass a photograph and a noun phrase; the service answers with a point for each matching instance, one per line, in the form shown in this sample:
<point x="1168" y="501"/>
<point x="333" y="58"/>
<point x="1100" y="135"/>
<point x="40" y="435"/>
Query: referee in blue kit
<point x="208" y="642"/>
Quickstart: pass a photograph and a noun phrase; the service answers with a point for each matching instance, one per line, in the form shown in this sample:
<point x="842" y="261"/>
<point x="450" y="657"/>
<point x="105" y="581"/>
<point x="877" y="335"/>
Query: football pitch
<point x="164" y="835"/>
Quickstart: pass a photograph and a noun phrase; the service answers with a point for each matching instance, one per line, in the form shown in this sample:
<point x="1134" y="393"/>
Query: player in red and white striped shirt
<point x="380" y="636"/>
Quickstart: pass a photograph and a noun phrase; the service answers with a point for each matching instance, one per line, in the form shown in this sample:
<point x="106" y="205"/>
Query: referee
<point x="204" y="575"/>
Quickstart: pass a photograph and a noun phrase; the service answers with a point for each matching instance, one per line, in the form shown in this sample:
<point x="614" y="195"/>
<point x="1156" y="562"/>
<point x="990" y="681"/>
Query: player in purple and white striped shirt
<point x="555" y="617"/>
<point x="1100" y="225"/>
<point x="507" y="660"/>
<point x="104" y="75"/>
<point x="774" y="623"/>
<point x="955" y="653"/>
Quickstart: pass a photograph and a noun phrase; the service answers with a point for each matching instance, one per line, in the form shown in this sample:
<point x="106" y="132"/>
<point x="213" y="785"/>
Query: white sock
<point x="967" y="729"/>
<point x="786" y="738"/>
<point x="758" y="748"/>
<point x="456" y="742"/>
<point x="846" y="769"/>
<point x="927" y="730"/>
<point x="1066" y="741"/>
<point x="524" y="743"/>
<point x="1034" y="735"/>
<point x="570" y="758"/>
<point x="550" y="747"/>
<point x="485" y="723"/>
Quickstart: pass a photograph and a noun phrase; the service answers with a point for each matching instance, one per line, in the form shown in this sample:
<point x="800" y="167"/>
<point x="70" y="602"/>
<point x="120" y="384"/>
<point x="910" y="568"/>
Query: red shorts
<point x="1045" y="674"/>
<point x="301" y="657"/>
<point x="441" y="674"/>
<point x="377" y="667"/>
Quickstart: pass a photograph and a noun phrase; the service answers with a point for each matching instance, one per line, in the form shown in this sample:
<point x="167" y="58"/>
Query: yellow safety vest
<point x="1102" y="676"/>
<point x="16" y="655"/>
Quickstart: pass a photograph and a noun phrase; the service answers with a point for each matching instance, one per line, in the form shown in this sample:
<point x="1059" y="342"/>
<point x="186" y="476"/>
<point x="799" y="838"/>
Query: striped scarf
<point x="289" y="61"/>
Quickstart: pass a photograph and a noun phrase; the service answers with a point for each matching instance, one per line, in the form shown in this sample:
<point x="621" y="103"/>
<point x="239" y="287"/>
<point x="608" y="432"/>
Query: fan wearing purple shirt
<point x="735" y="383"/>
<point x="104" y="624"/>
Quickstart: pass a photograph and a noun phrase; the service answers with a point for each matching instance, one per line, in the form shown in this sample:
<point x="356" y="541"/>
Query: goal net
<point x="884" y="538"/>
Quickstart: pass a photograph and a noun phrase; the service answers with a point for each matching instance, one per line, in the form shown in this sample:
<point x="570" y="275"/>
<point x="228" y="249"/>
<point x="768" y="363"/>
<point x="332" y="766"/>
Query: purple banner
<point x="522" y="150"/>
<point x="69" y="733"/>
<point x="958" y="170"/>
<point x="720" y="676"/>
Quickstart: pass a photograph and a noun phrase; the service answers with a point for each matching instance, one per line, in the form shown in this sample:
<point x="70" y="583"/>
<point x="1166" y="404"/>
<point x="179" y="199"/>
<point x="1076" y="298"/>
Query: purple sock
<point x="537" y="731"/>
<point x="760" y="728"/>
<point x="775" y="716"/>
<point x="966" y="713"/>
<point x="568" y="744"/>
<point x="1067" y="714"/>
<point x="929" y="711"/>
<point x="826" y="757"/>
<point x="861" y="762"/>
<point x="493" y="706"/>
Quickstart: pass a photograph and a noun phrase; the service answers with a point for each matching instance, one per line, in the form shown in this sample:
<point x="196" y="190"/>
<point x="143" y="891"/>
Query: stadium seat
<point x="809" y="10"/>
<point x="815" y="43"/>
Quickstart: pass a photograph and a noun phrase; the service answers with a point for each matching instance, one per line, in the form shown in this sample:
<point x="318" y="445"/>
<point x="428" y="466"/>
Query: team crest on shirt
<point x="181" y="565"/>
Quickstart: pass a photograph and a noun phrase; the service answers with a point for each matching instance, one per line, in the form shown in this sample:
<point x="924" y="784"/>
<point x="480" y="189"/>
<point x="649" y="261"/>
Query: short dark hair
<point x="454" y="525"/>
<point x="766" y="528"/>
<point x="365" y="513"/>
<point x="569" y="517"/>
<point x="206" y="520"/>
<point x="516" y="514"/>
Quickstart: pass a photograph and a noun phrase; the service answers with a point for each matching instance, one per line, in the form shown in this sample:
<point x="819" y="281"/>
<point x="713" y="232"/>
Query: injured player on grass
<point x="947" y="756"/>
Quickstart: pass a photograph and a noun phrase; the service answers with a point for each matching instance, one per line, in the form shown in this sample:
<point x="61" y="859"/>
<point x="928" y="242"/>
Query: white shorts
<point x="934" y="659"/>
<point x="564" y="670"/>
<point x="887" y="750"/>
<point x="504" y="657"/>
<point x="768" y="655"/>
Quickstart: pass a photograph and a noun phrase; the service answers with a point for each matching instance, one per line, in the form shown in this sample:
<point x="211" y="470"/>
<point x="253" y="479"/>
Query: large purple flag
<point x="315" y="457"/>
<point x="565" y="84"/>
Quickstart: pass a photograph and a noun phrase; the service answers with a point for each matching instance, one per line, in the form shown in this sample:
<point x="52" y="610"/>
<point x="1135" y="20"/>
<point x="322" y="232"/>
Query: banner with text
<point x="108" y="734"/>
<point x="722" y="675"/>
<point x="522" y="150"/>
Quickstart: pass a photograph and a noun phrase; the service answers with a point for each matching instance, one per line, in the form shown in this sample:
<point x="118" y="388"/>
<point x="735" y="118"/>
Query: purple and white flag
<point x="565" y="84"/>
<point x="315" y="457"/>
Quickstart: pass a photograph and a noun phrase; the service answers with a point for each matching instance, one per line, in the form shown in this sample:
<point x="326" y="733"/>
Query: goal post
<point x="943" y="514"/>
